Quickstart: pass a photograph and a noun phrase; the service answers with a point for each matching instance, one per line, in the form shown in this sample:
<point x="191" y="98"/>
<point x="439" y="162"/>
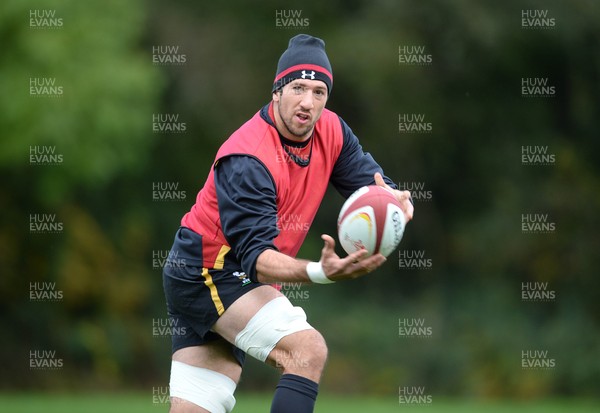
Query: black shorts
<point x="197" y="296"/>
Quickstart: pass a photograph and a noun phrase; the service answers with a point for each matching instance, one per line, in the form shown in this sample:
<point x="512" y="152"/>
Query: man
<point x="242" y="235"/>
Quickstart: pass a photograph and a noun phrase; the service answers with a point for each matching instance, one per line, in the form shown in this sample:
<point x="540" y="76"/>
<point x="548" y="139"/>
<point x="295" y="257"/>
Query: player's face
<point x="298" y="107"/>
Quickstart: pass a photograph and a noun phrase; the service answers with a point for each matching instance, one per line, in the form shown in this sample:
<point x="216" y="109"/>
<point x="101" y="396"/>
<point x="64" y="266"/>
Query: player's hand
<point x="402" y="196"/>
<point x="354" y="265"/>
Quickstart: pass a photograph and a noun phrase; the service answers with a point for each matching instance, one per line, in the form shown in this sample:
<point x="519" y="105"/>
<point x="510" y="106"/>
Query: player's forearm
<point x="274" y="267"/>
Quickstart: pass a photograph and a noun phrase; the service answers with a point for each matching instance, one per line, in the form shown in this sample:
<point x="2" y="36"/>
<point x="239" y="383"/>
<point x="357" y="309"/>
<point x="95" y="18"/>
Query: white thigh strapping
<point x="206" y="388"/>
<point x="274" y="321"/>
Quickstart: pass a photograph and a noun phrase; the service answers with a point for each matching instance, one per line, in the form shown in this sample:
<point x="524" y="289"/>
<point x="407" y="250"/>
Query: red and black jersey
<point x="264" y="190"/>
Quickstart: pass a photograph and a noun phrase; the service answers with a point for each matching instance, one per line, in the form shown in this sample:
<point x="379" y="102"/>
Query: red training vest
<point x="299" y="190"/>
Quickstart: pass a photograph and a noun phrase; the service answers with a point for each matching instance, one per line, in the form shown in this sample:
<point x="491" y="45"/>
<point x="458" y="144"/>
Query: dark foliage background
<point x="470" y="163"/>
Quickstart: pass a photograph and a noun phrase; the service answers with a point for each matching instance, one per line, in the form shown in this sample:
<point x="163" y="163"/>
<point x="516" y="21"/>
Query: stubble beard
<point x="303" y="133"/>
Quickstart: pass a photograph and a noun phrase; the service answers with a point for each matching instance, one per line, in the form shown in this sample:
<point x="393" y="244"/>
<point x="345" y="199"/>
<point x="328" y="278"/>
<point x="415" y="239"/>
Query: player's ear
<point x="277" y="94"/>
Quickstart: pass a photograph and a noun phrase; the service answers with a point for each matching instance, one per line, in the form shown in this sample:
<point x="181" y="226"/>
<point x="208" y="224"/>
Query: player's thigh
<point x="215" y="355"/>
<point x="237" y="316"/>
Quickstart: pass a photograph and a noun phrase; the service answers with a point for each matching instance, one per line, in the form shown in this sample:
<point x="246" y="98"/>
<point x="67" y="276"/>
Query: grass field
<point x="252" y="403"/>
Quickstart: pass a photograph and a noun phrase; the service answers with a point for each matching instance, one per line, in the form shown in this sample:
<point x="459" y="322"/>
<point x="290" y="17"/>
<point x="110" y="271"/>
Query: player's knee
<point x="316" y="349"/>
<point x="305" y="351"/>
<point x="276" y="325"/>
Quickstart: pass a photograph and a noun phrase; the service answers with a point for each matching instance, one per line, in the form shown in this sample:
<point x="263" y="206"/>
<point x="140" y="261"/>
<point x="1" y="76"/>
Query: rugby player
<point x="242" y="235"/>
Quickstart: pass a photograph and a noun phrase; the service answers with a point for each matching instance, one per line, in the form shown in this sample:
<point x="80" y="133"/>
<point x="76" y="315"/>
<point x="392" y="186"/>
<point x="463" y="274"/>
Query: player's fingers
<point x="365" y="266"/>
<point x="407" y="206"/>
<point x="355" y="257"/>
<point x="379" y="180"/>
<point x="373" y="262"/>
<point x="329" y="244"/>
<point x="401" y="196"/>
<point x="409" y="212"/>
<point x="404" y="196"/>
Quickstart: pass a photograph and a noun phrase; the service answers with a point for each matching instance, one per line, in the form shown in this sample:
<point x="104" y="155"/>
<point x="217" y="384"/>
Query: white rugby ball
<point x="371" y="219"/>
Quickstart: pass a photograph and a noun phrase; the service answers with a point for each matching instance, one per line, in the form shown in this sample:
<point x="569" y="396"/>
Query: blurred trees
<point x="64" y="149"/>
<point x="470" y="162"/>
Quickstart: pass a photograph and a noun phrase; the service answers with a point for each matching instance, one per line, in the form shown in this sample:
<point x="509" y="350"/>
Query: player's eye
<point x="320" y="94"/>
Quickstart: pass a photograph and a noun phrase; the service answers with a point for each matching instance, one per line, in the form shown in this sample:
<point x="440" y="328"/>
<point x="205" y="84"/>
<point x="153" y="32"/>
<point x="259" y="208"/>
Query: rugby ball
<point x="371" y="219"/>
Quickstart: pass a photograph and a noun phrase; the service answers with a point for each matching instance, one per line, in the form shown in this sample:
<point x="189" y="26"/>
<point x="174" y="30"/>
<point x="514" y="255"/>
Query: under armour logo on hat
<point x="305" y="58"/>
<point x="311" y="74"/>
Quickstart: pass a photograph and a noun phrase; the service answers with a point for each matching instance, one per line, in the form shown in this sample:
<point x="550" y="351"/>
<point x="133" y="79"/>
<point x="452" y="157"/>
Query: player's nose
<point x="307" y="102"/>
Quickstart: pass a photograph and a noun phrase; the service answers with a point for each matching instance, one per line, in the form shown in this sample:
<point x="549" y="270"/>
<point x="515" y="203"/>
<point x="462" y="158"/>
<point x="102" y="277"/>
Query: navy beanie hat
<point x="305" y="58"/>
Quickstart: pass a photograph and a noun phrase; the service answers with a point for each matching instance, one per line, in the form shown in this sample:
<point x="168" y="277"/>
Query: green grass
<point x="253" y="403"/>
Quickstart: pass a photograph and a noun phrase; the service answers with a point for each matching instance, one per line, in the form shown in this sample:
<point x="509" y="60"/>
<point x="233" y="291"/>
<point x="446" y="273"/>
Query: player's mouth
<point x="303" y="118"/>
